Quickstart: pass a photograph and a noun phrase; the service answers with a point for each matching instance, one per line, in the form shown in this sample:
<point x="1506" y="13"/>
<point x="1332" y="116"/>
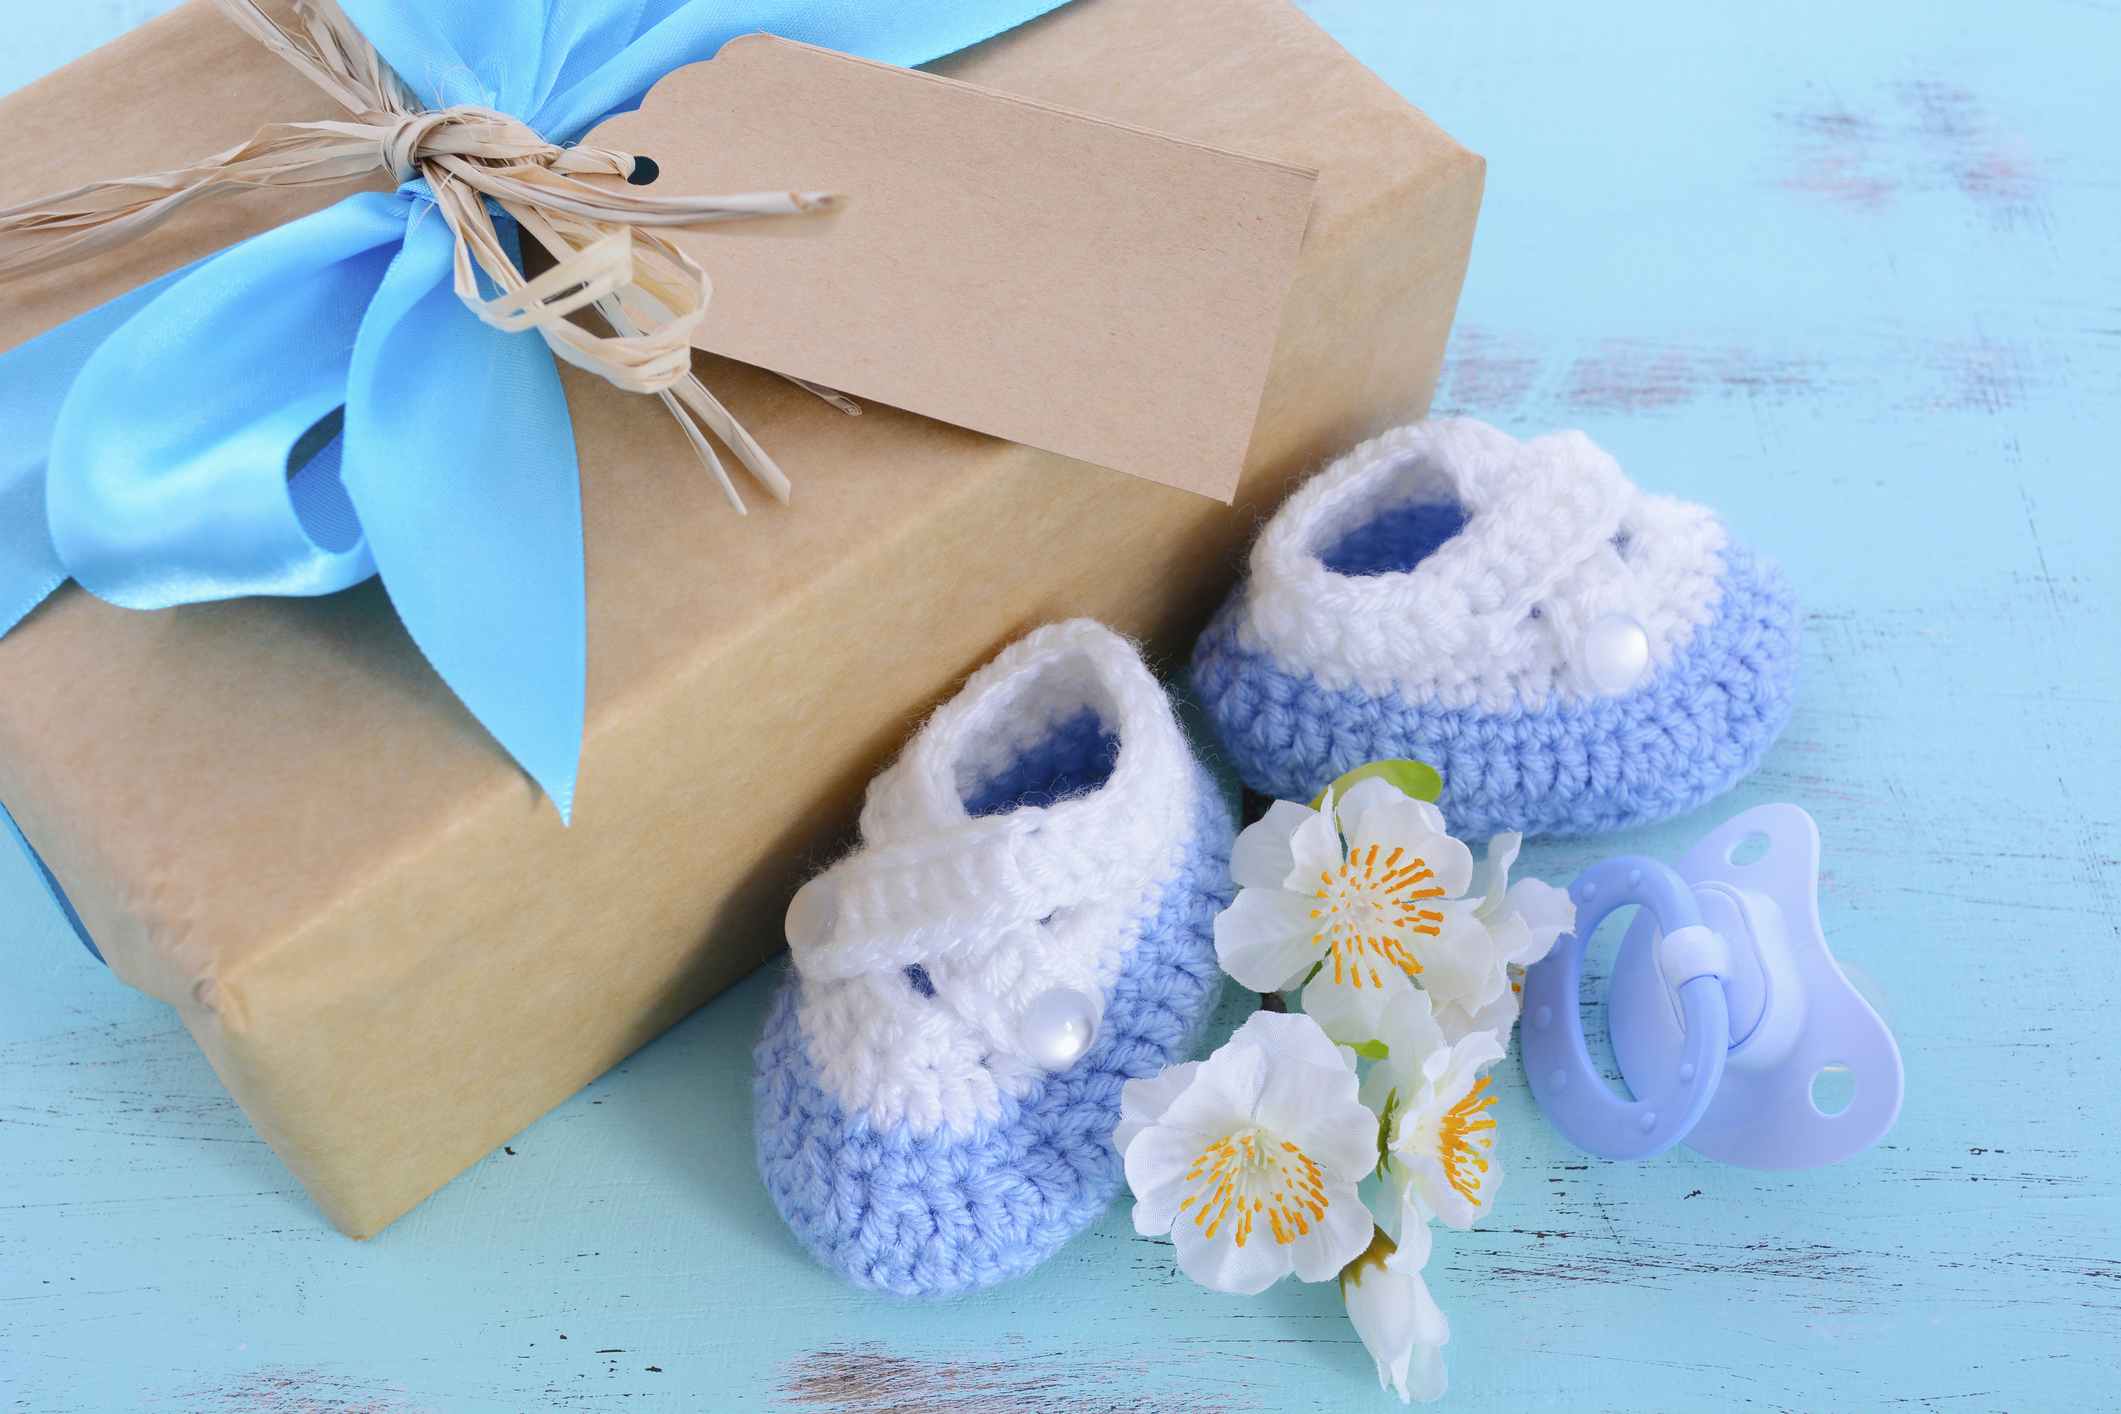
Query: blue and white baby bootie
<point x="1572" y="653"/>
<point x="1027" y="924"/>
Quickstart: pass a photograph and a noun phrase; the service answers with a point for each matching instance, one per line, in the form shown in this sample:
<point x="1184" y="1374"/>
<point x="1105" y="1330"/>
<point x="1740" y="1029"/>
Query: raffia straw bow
<point x="606" y="251"/>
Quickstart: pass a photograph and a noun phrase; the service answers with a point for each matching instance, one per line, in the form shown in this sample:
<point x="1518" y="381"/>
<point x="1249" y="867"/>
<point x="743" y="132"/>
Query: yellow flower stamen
<point x="1247" y="1175"/>
<point x="1365" y="904"/>
<point x="1464" y="1139"/>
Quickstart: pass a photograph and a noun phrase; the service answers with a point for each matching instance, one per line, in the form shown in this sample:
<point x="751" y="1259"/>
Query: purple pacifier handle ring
<point x="1575" y="1098"/>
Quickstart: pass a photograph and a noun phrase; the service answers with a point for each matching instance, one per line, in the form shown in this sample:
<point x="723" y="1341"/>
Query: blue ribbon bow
<point x="148" y="443"/>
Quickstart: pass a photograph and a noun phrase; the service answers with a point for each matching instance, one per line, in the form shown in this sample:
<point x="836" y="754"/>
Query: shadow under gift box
<point x="272" y="815"/>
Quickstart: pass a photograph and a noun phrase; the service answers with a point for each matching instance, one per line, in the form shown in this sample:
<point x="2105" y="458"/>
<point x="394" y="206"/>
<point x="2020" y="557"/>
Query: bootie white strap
<point x="1016" y="924"/>
<point x="926" y="901"/>
<point x="1558" y="548"/>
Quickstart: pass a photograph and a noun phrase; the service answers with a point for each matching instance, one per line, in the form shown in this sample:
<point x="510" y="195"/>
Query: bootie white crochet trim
<point x="1555" y="541"/>
<point x="994" y="911"/>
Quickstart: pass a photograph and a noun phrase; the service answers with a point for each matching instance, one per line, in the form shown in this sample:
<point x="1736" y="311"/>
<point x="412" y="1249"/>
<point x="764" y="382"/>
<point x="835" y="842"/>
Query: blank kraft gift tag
<point x="1036" y="274"/>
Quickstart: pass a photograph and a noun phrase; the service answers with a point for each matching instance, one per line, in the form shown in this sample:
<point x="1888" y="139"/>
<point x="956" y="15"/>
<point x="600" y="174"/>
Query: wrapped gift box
<point x="270" y="814"/>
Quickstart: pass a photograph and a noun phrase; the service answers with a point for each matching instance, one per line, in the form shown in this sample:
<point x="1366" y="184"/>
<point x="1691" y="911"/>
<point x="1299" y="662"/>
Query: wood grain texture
<point x="1846" y="272"/>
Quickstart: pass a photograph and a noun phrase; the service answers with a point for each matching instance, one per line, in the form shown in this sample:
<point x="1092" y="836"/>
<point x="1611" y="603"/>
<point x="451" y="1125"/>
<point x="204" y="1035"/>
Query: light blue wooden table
<point x="1850" y="272"/>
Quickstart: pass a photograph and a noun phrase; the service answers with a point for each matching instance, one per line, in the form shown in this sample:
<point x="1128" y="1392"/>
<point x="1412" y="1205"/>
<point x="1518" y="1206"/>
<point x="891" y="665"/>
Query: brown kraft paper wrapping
<point x="272" y="815"/>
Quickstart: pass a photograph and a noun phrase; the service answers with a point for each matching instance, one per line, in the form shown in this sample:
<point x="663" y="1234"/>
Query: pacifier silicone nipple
<point x="1729" y="1017"/>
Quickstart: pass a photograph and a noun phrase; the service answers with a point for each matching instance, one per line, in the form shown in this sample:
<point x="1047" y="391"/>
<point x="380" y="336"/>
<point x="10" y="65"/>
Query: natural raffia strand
<point x="605" y="249"/>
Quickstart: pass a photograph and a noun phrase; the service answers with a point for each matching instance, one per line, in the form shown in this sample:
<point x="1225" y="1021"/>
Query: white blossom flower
<point x="1440" y="1131"/>
<point x="1365" y="892"/>
<point x="1523" y="921"/>
<point x="1398" y="1320"/>
<point x="1143" y="1102"/>
<point x="1377" y="1023"/>
<point x="1250" y="1159"/>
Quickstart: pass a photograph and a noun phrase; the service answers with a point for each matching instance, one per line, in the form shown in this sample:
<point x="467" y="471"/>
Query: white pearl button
<point x="1058" y="1027"/>
<point x="811" y="913"/>
<point x="1616" y="653"/>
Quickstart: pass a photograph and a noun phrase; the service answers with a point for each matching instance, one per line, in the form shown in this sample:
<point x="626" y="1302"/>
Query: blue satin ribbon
<point x="288" y="416"/>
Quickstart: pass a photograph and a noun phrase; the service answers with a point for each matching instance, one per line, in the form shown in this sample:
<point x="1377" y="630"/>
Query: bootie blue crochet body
<point x="1572" y="654"/>
<point x="1027" y="924"/>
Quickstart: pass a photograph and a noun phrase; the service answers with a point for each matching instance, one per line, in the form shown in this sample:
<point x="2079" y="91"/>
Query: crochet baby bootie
<point x="1027" y="923"/>
<point x="1573" y="654"/>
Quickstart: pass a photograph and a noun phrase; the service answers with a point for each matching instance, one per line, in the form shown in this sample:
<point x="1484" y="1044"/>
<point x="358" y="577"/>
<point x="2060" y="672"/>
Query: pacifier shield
<point x="1735" y="924"/>
<point x="1793" y="1015"/>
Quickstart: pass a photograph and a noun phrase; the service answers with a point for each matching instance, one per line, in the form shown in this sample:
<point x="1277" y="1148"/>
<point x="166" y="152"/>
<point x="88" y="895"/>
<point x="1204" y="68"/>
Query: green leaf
<point x="1384" y="1130"/>
<point x="1371" y="1050"/>
<point x="1413" y="778"/>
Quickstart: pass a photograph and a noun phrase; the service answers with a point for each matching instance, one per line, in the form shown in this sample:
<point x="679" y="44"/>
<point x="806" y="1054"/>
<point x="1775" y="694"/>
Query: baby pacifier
<point x="1724" y="1007"/>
